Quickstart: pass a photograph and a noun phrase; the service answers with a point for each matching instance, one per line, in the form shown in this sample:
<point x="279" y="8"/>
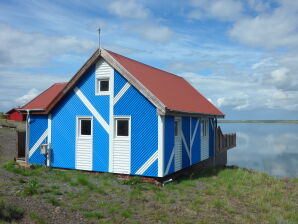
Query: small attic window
<point x="102" y="86"/>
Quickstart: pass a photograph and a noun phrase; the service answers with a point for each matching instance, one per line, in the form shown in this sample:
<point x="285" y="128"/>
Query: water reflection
<point x="272" y="148"/>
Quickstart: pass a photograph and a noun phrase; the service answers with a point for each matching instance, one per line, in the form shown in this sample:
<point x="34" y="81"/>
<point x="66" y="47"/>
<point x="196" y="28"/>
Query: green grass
<point x="37" y="219"/>
<point x="31" y="188"/>
<point x="96" y="215"/>
<point x="223" y="195"/>
<point x="9" y="213"/>
<point x="35" y="171"/>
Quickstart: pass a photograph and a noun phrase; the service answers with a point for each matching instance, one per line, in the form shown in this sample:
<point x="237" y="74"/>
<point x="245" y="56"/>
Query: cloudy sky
<point x="242" y="55"/>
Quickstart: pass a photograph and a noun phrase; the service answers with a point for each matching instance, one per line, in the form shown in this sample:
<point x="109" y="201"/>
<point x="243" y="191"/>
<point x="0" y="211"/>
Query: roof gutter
<point x="181" y="113"/>
<point x="30" y="110"/>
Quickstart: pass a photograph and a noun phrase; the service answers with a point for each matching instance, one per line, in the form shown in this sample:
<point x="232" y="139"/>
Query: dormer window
<point x="103" y="86"/>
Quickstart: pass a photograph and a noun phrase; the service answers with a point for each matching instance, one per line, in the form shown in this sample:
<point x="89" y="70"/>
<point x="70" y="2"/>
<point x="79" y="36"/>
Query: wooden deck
<point x="224" y="142"/>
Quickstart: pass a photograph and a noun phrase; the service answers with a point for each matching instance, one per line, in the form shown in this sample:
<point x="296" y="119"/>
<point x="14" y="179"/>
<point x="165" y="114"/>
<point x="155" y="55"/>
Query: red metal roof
<point x="11" y="110"/>
<point x="43" y="100"/>
<point x="173" y="91"/>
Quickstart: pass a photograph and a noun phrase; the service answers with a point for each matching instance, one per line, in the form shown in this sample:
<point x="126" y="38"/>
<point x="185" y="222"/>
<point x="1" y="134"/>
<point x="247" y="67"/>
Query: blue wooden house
<point x="121" y="116"/>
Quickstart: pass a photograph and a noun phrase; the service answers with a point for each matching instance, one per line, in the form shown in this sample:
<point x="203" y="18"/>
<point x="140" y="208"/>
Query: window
<point x="122" y="127"/>
<point x="204" y="128"/>
<point x="102" y="86"/>
<point x="176" y="128"/>
<point x="85" y="126"/>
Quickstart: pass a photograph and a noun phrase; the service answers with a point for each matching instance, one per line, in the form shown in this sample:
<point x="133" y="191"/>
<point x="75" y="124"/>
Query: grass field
<point x="225" y="195"/>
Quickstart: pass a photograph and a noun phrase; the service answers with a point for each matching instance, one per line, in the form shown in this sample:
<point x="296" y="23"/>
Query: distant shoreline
<point x="260" y="121"/>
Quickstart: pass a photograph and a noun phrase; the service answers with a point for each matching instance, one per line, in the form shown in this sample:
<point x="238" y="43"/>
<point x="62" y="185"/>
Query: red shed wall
<point x="16" y="116"/>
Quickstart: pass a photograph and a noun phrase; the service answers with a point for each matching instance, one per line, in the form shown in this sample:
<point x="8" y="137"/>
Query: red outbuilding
<point x="15" y="115"/>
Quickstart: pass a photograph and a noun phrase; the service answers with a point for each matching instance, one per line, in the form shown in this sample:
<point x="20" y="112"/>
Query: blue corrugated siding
<point x="186" y="133"/>
<point x="64" y="127"/>
<point x="38" y="125"/>
<point x="119" y="82"/>
<point x="102" y="102"/>
<point x="196" y="146"/>
<point x="144" y="126"/>
<point x="169" y="142"/>
<point x="211" y="137"/>
<point x="152" y="170"/>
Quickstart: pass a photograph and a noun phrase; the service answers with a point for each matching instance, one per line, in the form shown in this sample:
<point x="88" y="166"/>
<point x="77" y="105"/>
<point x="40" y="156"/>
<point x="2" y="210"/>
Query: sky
<point x="241" y="55"/>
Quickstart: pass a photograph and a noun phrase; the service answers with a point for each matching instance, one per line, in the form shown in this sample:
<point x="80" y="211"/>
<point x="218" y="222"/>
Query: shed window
<point x="85" y="126"/>
<point x="204" y="128"/>
<point x="102" y="86"/>
<point x="122" y="127"/>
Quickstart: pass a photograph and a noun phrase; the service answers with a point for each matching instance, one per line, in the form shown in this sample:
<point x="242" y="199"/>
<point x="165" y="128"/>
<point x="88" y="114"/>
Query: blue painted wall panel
<point x="38" y="125"/>
<point x="211" y="137"/>
<point x="119" y="82"/>
<point x="100" y="148"/>
<point x="169" y="142"/>
<point x="64" y="130"/>
<point x="100" y="102"/>
<point x="186" y="133"/>
<point x="64" y="126"/>
<point x="196" y="146"/>
<point x="144" y="125"/>
<point x="152" y="171"/>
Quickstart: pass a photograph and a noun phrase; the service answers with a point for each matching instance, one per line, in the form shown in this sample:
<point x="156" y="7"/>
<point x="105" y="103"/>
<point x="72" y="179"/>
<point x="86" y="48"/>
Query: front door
<point x="178" y="144"/>
<point x="84" y="143"/>
<point x="121" y="144"/>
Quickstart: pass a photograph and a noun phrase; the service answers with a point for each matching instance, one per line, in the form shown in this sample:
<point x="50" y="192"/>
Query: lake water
<point x="272" y="148"/>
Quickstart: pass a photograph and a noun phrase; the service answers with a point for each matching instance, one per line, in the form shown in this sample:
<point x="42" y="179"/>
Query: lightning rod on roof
<point x="98" y="38"/>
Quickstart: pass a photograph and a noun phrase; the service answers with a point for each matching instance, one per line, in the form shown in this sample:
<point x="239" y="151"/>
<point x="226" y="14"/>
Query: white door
<point x="178" y="144"/>
<point x="84" y="143"/>
<point x="204" y="139"/>
<point x="121" y="144"/>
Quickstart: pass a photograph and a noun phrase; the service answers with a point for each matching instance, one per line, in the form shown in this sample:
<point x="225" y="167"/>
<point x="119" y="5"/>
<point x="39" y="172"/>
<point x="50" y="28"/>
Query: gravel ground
<point x="7" y="144"/>
<point x="10" y="188"/>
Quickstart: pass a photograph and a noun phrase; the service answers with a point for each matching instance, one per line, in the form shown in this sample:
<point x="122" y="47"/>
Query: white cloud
<point x="27" y="97"/>
<point x="156" y="33"/>
<point x="225" y="10"/>
<point x="259" y="5"/>
<point x="239" y="95"/>
<point x="282" y="78"/>
<point x="24" y="49"/>
<point x="128" y="9"/>
<point x="278" y="29"/>
<point x="17" y="87"/>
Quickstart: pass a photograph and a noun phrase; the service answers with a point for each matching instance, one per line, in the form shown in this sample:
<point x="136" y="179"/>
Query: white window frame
<point x="204" y="127"/>
<point x="79" y="118"/>
<point x="116" y="118"/>
<point x="97" y="85"/>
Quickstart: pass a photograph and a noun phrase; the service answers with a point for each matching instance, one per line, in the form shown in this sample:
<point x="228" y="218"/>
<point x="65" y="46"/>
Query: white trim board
<point x="94" y="112"/>
<point x="38" y="143"/>
<point x="49" y="139"/>
<point x="148" y="163"/>
<point x="170" y="161"/>
<point x="121" y="92"/>
<point x="185" y="144"/>
<point x="161" y="146"/>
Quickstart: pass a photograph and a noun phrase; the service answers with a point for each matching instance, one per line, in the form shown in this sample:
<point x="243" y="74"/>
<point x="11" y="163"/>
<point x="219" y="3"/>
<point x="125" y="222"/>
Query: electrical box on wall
<point x="44" y="149"/>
